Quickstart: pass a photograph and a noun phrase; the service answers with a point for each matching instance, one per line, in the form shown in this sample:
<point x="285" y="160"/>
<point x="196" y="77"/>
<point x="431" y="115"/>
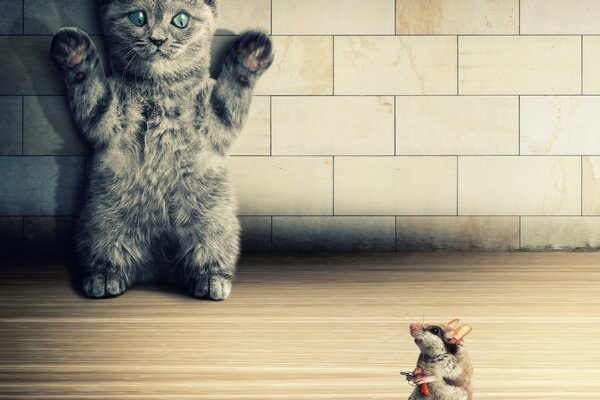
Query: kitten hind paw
<point x="99" y="286"/>
<point x="214" y="287"/>
<point x="70" y="47"/>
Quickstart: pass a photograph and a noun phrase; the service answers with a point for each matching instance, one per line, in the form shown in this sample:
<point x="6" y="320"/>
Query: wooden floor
<point x="307" y="328"/>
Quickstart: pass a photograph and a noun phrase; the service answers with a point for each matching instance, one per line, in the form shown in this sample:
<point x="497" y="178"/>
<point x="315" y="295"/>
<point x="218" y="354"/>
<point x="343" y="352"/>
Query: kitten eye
<point x="138" y="18"/>
<point x="181" y="20"/>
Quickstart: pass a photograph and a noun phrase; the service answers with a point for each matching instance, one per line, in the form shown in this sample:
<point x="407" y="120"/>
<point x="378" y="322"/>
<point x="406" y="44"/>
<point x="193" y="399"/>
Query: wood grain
<point x="307" y="328"/>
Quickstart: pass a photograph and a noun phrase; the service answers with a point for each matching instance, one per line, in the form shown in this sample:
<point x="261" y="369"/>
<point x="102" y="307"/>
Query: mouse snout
<point x="414" y="327"/>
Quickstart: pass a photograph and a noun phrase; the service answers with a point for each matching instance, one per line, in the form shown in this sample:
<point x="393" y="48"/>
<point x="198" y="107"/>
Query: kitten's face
<point x="158" y="36"/>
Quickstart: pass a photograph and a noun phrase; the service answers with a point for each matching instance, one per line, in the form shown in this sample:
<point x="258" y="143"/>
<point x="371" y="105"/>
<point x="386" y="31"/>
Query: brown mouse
<point x="443" y="365"/>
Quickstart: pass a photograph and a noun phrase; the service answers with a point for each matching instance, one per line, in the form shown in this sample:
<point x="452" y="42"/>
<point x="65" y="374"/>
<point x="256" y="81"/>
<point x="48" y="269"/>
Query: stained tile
<point x="40" y="186"/>
<point x="333" y="234"/>
<point x="388" y="65"/>
<point x="457" y="233"/>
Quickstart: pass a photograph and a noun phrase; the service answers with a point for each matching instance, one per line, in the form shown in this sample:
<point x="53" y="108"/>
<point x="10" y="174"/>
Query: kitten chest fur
<point x="155" y="153"/>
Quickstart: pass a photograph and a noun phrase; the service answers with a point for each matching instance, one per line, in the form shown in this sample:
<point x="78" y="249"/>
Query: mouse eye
<point x="435" y="331"/>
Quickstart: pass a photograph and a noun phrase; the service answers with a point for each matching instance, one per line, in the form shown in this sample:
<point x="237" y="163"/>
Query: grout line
<point x="324" y="34"/>
<point x="395" y="17"/>
<point x="582" y="73"/>
<point x="336" y="155"/>
<point x="519" y="123"/>
<point x="73" y="216"/>
<point x="271" y="126"/>
<point x="395" y="128"/>
<point x="333" y="186"/>
<point x="457" y="66"/>
<point x="371" y="95"/>
<point x="457" y="186"/>
<point x="271" y="17"/>
<point x="519" y="17"/>
<point x="22" y="125"/>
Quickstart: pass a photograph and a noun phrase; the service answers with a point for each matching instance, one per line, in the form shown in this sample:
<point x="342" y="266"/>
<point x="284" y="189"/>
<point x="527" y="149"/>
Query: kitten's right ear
<point x="211" y="3"/>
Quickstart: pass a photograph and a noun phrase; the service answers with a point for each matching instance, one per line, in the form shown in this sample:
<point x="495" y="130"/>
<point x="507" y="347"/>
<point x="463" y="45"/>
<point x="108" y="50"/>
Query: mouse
<point x="444" y="365"/>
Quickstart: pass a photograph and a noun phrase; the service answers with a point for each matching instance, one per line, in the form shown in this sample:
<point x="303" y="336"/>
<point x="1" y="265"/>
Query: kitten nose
<point x="158" y="42"/>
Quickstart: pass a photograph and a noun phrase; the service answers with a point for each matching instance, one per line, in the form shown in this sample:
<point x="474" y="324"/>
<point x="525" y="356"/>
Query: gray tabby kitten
<point x="159" y="202"/>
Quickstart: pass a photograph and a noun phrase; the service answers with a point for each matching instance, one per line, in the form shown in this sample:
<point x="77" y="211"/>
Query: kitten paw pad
<point x="254" y="51"/>
<point x="70" y="47"/>
<point x="99" y="286"/>
<point x="214" y="287"/>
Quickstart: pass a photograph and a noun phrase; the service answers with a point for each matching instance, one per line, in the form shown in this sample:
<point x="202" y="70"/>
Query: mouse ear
<point x="452" y="324"/>
<point x="457" y="335"/>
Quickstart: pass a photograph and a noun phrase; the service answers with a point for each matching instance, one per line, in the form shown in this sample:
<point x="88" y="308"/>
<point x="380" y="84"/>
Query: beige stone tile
<point x="255" y="138"/>
<point x="256" y="235"/>
<point x="457" y="233"/>
<point x="519" y="65"/>
<point x="560" y="125"/>
<point x="395" y="185"/>
<point x="457" y="17"/>
<point x="560" y="233"/>
<point x="303" y="66"/>
<point x="560" y="17"/>
<point x="333" y="17"/>
<point x="591" y="64"/>
<point x="283" y="185"/>
<point x="519" y="185"/>
<point x="591" y="185"/>
<point x="446" y="125"/>
<point x="333" y="125"/>
<point x="387" y="65"/>
<point x="327" y="234"/>
<point x="236" y="16"/>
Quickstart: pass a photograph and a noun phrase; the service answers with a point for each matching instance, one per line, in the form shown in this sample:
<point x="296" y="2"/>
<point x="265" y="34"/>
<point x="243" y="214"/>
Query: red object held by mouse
<point x="424" y="389"/>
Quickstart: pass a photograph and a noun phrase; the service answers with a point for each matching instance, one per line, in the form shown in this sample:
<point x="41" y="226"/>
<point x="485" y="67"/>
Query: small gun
<point x="410" y="377"/>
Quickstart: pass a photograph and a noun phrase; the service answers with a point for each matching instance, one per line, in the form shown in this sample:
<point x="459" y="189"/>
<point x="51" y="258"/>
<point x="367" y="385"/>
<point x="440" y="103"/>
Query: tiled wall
<point x="383" y="125"/>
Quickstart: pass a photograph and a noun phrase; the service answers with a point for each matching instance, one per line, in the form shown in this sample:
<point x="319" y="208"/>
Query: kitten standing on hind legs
<point x="160" y="127"/>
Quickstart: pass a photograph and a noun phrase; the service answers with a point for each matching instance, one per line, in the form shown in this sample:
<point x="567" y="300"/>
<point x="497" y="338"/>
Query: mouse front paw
<point x="421" y="379"/>
<point x="70" y="47"/>
<point x="250" y="56"/>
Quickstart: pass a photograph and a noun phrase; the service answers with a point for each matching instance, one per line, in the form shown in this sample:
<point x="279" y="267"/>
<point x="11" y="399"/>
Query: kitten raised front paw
<point x="70" y="47"/>
<point x="250" y="56"/>
<point x="213" y="287"/>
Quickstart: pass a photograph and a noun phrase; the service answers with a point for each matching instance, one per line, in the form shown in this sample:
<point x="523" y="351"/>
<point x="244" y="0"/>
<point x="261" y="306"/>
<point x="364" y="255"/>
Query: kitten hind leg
<point x="208" y="259"/>
<point x="110" y="265"/>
